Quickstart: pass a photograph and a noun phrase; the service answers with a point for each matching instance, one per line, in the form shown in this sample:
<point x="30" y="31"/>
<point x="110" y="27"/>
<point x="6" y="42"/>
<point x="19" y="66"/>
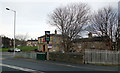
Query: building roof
<point x="50" y="35"/>
<point x="32" y="40"/>
<point x="92" y="39"/>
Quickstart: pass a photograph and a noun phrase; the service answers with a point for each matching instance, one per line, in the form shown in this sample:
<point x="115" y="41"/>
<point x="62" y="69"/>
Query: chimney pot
<point x="55" y="31"/>
<point x="90" y="35"/>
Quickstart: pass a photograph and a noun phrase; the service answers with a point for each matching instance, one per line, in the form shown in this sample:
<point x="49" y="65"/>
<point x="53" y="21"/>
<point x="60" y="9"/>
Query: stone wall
<point x="67" y="57"/>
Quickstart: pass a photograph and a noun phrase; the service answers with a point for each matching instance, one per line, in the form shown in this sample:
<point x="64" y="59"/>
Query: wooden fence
<point x="101" y="56"/>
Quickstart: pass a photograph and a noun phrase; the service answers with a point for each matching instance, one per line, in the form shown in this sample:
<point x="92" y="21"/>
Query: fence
<point x="31" y="55"/>
<point x="101" y="56"/>
<point x="90" y="56"/>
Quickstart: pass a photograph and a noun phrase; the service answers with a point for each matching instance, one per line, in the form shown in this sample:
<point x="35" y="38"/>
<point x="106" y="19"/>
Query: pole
<point x="47" y="51"/>
<point x="14" y="29"/>
<point x="14" y="26"/>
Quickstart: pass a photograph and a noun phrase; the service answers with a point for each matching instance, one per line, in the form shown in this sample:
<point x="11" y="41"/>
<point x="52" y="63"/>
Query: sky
<point x="32" y="15"/>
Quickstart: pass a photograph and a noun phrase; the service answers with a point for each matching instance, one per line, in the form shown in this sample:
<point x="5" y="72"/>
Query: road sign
<point x="47" y="36"/>
<point x="49" y="46"/>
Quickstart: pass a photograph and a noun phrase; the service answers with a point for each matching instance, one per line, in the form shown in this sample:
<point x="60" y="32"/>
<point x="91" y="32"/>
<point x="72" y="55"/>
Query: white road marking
<point x="18" y="68"/>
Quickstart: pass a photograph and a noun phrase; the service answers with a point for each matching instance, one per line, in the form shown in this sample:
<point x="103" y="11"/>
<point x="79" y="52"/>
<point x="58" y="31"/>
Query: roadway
<point x="11" y="64"/>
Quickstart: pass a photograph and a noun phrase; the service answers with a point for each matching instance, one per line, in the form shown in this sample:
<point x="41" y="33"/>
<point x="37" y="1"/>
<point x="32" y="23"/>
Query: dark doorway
<point x="43" y="48"/>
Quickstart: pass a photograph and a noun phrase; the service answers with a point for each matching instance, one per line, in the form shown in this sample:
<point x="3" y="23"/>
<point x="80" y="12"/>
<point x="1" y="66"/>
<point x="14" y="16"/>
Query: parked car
<point x="16" y="50"/>
<point x="11" y="50"/>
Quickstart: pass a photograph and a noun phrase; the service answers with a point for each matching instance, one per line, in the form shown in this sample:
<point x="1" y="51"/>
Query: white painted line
<point x="18" y="68"/>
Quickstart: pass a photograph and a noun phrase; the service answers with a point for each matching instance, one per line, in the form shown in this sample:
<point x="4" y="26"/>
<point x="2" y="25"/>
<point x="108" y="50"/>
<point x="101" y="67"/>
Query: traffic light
<point x="47" y="36"/>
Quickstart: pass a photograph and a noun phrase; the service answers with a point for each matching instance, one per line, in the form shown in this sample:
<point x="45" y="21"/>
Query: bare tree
<point x="117" y="37"/>
<point x="106" y="22"/>
<point x="70" y="20"/>
<point x="118" y="30"/>
<point x="21" y="39"/>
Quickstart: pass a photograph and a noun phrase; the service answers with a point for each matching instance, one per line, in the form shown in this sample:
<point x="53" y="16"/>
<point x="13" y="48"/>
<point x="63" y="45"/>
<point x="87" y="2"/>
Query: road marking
<point x="18" y="68"/>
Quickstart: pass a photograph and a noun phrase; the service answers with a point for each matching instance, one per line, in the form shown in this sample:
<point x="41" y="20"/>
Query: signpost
<point x="47" y="36"/>
<point x="47" y="39"/>
<point x="49" y="46"/>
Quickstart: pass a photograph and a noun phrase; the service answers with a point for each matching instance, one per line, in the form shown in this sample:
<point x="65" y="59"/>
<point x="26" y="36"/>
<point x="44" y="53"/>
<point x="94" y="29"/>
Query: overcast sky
<point x="32" y="15"/>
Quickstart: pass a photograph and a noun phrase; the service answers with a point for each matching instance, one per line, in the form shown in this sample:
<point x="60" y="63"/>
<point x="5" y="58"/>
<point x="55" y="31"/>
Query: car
<point x="17" y="50"/>
<point x="11" y="50"/>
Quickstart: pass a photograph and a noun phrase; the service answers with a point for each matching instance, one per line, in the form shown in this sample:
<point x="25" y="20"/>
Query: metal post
<point x="14" y="29"/>
<point x="47" y="51"/>
<point x="47" y="54"/>
<point x="14" y="25"/>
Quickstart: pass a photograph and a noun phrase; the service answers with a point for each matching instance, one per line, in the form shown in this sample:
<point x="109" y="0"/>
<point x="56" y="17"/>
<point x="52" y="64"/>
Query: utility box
<point x="41" y="56"/>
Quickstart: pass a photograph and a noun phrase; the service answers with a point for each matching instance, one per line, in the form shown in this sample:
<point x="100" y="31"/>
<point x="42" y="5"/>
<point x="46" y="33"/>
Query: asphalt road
<point x="10" y="64"/>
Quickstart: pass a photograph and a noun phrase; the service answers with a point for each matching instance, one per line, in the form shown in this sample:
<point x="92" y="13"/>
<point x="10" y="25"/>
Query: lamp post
<point x="14" y="25"/>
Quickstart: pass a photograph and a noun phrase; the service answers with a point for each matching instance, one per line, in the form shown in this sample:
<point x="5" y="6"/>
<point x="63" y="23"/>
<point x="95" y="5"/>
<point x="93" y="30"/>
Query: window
<point x="43" y="39"/>
<point x="54" y="39"/>
<point x="40" y="47"/>
<point x="40" y="40"/>
<point x="54" y="47"/>
<point x="93" y="46"/>
<point x="79" y="46"/>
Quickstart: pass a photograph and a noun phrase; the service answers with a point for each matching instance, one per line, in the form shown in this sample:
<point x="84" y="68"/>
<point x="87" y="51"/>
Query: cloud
<point x="60" y="1"/>
<point x="32" y="14"/>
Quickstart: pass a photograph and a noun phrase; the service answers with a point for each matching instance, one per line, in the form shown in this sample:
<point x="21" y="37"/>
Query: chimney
<point x="90" y="35"/>
<point x="55" y="31"/>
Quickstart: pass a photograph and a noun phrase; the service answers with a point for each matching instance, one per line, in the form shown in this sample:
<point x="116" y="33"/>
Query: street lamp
<point x="14" y="25"/>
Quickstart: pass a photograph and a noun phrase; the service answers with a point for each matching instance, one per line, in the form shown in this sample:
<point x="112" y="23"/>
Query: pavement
<point x="20" y="65"/>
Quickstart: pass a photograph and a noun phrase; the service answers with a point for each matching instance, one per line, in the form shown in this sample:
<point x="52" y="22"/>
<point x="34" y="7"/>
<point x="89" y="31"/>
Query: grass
<point x="26" y="48"/>
<point x="5" y="49"/>
<point x="23" y="48"/>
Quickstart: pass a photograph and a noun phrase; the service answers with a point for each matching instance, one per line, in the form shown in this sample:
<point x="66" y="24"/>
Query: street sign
<point x="47" y="36"/>
<point x="49" y="46"/>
